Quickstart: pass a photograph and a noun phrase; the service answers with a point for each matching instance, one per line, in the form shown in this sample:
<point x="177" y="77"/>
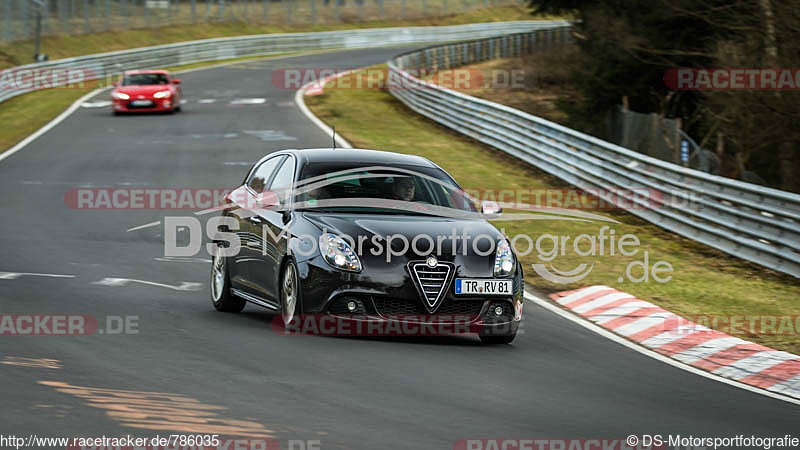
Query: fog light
<point x="498" y="310"/>
<point x="352" y="306"/>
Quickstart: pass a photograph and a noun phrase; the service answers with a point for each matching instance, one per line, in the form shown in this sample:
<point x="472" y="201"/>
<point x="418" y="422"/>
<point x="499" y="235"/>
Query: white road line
<point x="181" y="259"/>
<point x="666" y="360"/>
<point x="270" y="135"/>
<point x="116" y="282"/>
<point x="16" y="275"/>
<point x="50" y="125"/>
<point x="206" y="101"/>
<point x="248" y="101"/>
<point x="147" y="225"/>
<point x="298" y="100"/>
<point x="97" y="104"/>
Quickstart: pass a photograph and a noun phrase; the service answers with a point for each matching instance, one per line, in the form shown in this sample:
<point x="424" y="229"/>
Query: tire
<point x="178" y="108"/>
<point x="498" y="339"/>
<point x="502" y="335"/>
<point x="221" y="295"/>
<point x="290" y="293"/>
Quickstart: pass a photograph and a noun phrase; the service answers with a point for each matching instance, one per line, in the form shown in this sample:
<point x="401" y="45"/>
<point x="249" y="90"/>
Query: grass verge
<point x="704" y="281"/>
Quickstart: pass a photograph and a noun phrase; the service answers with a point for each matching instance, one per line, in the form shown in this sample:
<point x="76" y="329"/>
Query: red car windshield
<point x="143" y="79"/>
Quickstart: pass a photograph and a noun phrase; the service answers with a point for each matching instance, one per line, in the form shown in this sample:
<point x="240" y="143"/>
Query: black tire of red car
<point x="221" y="295"/>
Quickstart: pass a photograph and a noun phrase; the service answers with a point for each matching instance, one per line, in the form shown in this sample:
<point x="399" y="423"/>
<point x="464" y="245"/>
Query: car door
<point x="250" y="221"/>
<point x="275" y="231"/>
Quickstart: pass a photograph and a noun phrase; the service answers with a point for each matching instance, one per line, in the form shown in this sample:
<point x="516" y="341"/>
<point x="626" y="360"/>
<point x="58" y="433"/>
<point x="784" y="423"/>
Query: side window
<point x="282" y="183"/>
<point x="262" y="173"/>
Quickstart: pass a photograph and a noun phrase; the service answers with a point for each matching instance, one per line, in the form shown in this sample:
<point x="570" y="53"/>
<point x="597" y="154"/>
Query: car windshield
<point x="143" y="79"/>
<point x="424" y="186"/>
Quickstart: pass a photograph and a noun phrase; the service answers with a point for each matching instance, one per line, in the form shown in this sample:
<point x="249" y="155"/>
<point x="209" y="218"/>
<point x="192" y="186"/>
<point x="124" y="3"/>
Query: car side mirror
<point x="176" y="81"/>
<point x="490" y="207"/>
<point x="266" y="200"/>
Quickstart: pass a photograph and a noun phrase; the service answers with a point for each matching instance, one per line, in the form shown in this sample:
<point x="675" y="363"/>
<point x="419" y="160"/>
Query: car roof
<point x="354" y="155"/>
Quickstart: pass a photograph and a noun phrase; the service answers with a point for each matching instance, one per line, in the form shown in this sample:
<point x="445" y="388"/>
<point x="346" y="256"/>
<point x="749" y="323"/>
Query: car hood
<point x="480" y="234"/>
<point x="146" y="91"/>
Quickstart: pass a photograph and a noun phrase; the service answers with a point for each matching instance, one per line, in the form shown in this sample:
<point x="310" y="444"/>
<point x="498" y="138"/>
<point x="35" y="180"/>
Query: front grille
<point x="399" y="306"/>
<point x="431" y="282"/>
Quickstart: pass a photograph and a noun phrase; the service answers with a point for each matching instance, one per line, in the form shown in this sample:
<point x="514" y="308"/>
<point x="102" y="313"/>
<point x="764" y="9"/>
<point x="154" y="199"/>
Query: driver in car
<point x="403" y="189"/>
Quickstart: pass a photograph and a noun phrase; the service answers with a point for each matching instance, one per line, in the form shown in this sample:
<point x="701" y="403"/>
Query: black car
<point x="364" y="235"/>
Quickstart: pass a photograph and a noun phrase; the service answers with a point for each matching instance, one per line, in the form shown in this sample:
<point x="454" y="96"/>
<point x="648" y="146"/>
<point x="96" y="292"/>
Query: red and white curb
<point x="685" y="341"/>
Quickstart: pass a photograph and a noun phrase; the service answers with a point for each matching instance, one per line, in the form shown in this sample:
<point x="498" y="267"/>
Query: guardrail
<point x="751" y="222"/>
<point x="104" y="65"/>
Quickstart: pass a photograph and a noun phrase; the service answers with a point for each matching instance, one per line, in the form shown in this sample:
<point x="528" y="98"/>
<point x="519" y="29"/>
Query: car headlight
<point x="504" y="261"/>
<point x="120" y="95"/>
<point x="162" y="94"/>
<point x="337" y="252"/>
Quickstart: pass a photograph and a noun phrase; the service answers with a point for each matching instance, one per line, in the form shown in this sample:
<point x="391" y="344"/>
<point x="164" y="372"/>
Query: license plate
<point x="141" y="103"/>
<point x="483" y="286"/>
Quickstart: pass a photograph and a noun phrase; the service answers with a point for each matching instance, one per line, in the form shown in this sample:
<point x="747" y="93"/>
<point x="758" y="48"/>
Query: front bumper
<point x="385" y="295"/>
<point x="162" y="104"/>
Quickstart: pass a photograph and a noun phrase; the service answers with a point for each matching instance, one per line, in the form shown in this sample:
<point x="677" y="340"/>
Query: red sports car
<point x="146" y="91"/>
